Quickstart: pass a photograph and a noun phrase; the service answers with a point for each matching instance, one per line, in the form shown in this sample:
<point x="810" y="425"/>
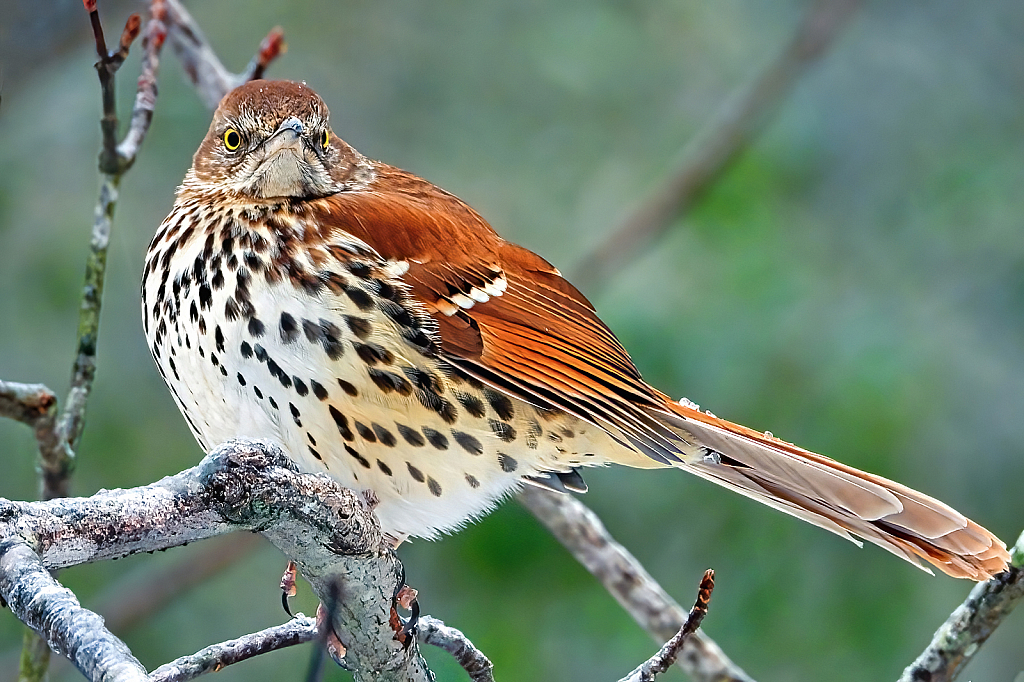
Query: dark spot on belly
<point x="435" y="438"/>
<point x="295" y="414"/>
<point x="386" y="437"/>
<point x="258" y="392"/>
<point x="411" y="436"/>
<point x="389" y="381"/>
<point x="300" y="386"/>
<point x="273" y="403"/>
<point x="360" y="326"/>
<point x="256" y="327"/>
<point x="342" y="423"/>
<point x="205" y="296"/>
<point x="416" y="473"/>
<point x="469" y="443"/>
<point x="471" y="480"/>
<point x="502" y="430"/>
<point x="434" y="486"/>
<point x="362" y="299"/>
<point x="365" y="432"/>
<point x="372" y="354"/>
<point x="318" y="390"/>
<point x="309" y="437"/>
<point x="500" y="403"/>
<point x="289" y="328"/>
<point x="348" y="388"/>
<point x="507" y="464"/>
<point x="359" y="458"/>
<point x="385" y="469"/>
<point x="473" y="405"/>
<point x="436" y="403"/>
<point x="241" y="379"/>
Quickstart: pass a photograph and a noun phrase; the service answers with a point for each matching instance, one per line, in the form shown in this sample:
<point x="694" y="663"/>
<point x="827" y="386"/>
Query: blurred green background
<point x="855" y="283"/>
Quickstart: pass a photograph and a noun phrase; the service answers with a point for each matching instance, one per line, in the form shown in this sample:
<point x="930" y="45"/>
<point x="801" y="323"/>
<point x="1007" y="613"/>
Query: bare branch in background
<point x="211" y="80"/>
<point x="731" y="131"/>
<point x="583" y="534"/>
<point x="36" y="406"/>
<point x="666" y="656"/>
<point x="958" y="639"/>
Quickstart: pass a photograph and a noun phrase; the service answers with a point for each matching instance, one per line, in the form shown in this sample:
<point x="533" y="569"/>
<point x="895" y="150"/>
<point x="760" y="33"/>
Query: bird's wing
<point x="505" y="315"/>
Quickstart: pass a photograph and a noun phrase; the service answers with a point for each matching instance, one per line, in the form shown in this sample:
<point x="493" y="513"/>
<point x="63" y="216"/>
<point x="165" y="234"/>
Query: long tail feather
<point x="837" y="497"/>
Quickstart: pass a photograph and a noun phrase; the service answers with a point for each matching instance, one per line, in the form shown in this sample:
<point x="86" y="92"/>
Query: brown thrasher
<point x="377" y="328"/>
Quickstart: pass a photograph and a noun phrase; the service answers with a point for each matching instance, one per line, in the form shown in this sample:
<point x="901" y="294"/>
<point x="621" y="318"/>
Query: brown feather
<point x="541" y="340"/>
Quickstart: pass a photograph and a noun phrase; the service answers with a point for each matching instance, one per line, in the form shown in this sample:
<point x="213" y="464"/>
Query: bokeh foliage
<point x="855" y="283"/>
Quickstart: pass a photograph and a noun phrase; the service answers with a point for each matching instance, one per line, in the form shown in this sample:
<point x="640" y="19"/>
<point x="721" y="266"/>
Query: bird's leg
<point x="288" y="586"/>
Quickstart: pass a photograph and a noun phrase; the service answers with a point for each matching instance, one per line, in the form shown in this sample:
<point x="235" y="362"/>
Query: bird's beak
<point x="287" y="136"/>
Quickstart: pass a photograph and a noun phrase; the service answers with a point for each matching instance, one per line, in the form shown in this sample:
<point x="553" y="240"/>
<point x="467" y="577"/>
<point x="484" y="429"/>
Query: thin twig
<point x="666" y="656"/>
<point x="114" y="161"/>
<point x="434" y="632"/>
<point x="958" y="639"/>
<point x="732" y="130"/>
<point x="216" y="657"/>
<point x="583" y="534"/>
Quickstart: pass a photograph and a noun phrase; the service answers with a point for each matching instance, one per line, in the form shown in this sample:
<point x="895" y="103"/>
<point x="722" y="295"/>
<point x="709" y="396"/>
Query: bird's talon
<point x="288" y="586"/>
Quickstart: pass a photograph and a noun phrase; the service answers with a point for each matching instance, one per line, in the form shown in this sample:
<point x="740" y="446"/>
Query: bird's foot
<point x="405" y="630"/>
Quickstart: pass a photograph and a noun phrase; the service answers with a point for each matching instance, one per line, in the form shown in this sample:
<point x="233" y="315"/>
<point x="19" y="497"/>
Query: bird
<point x="379" y="330"/>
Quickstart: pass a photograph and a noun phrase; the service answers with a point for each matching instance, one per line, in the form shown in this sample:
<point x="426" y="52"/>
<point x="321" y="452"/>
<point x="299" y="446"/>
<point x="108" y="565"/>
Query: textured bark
<point x="242" y="485"/>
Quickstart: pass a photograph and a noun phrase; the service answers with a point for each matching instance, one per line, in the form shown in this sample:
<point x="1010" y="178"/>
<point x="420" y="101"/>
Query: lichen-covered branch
<point x="731" y="131"/>
<point x="434" y="632"/>
<point x="961" y="636"/>
<point x="326" y="529"/>
<point x="586" y="538"/>
<point x="667" y="655"/>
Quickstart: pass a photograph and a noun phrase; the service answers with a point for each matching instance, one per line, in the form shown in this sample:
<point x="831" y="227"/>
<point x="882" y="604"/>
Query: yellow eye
<point x="325" y="141"/>
<point x="232" y="139"/>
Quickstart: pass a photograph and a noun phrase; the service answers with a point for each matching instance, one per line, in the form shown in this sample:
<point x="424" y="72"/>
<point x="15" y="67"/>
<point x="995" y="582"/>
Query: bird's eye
<point x="325" y="140"/>
<point x="232" y="139"/>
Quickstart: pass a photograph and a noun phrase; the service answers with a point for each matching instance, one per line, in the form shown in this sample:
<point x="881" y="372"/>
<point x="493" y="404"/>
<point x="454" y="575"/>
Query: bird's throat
<point x="283" y="174"/>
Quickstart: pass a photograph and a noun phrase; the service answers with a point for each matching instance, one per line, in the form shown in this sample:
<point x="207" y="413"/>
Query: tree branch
<point x="710" y="152"/>
<point x="586" y="538"/>
<point x="327" y="529"/>
<point x="434" y="632"/>
<point x="958" y="639"/>
<point x="666" y="656"/>
<point x="216" y="657"/>
<point x="36" y="406"/>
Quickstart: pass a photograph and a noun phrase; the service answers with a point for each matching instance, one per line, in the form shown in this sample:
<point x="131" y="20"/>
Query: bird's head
<point x="271" y="140"/>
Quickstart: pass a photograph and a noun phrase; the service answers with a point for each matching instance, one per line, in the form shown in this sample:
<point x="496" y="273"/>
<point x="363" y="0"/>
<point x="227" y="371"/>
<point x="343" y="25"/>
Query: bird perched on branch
<point x="379" y="329"/>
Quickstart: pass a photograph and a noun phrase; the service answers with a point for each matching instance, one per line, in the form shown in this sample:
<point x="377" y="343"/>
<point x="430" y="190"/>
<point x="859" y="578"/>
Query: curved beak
<point x="287" y="136"/>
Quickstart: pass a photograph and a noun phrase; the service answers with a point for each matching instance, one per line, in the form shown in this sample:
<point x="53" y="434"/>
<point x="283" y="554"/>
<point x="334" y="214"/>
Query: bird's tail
<point x="836" y="497"/>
